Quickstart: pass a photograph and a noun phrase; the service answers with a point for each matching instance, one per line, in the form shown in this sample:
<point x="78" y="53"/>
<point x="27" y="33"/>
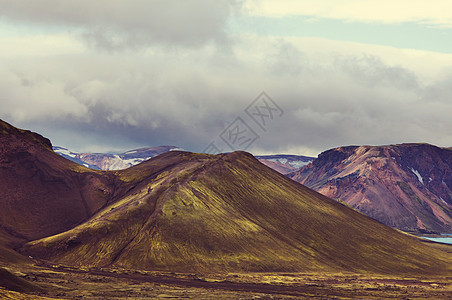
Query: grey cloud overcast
<point x="132" y="23"/>
<point x="177" y="76"/>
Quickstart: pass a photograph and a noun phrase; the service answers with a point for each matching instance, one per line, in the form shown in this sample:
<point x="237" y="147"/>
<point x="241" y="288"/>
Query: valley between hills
<point x="189" y="225"/>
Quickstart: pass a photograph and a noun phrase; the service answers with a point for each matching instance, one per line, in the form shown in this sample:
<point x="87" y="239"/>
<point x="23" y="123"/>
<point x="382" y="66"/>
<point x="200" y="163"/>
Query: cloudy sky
<point x="112" y="75"/>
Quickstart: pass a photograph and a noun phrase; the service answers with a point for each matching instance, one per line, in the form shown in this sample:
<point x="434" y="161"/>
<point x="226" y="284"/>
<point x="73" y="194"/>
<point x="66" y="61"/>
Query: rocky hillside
<point x="406" y="186"/>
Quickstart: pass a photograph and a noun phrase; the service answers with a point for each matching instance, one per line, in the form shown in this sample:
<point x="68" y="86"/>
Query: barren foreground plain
<point x="60" y="282"/>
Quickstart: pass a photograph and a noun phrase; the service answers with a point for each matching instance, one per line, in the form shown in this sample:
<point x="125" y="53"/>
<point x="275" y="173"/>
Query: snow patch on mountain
<point x="64" y="151"/>
<point x="297" y="164"/>
<point x="118" y="161"/>
<point x="418" y="175"/>
<point x="73" y="156"/>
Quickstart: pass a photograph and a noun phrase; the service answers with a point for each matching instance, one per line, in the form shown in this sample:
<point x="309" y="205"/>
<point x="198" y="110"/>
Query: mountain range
<point x="403" y="186"/>
<point x="407" y="186"/>
<point x="283" y="163"/>
<point x="186" y="212"/>
<point x="107" y="161"/>
<point x="117" y="161"/>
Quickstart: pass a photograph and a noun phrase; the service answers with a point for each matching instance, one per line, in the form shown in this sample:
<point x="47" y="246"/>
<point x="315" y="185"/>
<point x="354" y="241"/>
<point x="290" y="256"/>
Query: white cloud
<point x="437" y="12"/>
<point x="40" y="45"/>
<point x="37" y="100"/>
<point x="188" y="82"/>
<point x="333" y="93"/>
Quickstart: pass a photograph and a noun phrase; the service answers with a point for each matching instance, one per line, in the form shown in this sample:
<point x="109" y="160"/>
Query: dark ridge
<point x="14" y="283"/>
<point x="7" y="129"/>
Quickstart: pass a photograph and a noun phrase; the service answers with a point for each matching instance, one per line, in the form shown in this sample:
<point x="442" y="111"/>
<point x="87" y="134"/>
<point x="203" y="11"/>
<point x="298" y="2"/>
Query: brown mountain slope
<point x="196" y="212"/>
<point x="42" y="193"/>
<point x="406" y="186"/>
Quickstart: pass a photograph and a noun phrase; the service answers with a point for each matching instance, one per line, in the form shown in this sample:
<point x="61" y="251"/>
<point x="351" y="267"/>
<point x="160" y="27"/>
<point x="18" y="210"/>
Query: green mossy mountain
<point x="201" y="213"/>
<point x="190" y="212"/>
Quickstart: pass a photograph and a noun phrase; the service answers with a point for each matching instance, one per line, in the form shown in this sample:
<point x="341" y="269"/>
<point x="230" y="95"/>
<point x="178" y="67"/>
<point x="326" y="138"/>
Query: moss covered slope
<point x="193" y="212"/>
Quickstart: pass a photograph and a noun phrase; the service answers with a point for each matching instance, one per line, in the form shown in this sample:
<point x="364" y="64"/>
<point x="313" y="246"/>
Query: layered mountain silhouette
<point x="108" y="161"/>
<point x="406" y="186"/>
<point x="183" y="211"/>
<point x="282" y="163"/>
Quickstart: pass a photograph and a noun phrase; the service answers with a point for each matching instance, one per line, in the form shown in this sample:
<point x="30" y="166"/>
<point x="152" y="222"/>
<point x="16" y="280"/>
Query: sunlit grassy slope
<point x="195" y="212"/>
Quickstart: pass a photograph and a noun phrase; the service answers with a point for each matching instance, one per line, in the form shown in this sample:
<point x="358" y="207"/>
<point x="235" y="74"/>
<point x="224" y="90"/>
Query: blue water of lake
<point x="444" y="240"/>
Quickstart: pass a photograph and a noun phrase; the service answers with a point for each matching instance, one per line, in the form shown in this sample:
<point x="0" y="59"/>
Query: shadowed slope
<point x="12" y="282"/>
<point x="195" y="212"/>
<point x="42" y="193"/>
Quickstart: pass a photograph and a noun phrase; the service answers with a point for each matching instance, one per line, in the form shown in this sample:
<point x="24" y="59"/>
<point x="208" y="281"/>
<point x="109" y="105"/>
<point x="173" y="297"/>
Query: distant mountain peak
<point x="118" y="161"/>
<point x="115" y="161"/>
<point x="407" y="186"/>
<point x="284" y="163"/>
